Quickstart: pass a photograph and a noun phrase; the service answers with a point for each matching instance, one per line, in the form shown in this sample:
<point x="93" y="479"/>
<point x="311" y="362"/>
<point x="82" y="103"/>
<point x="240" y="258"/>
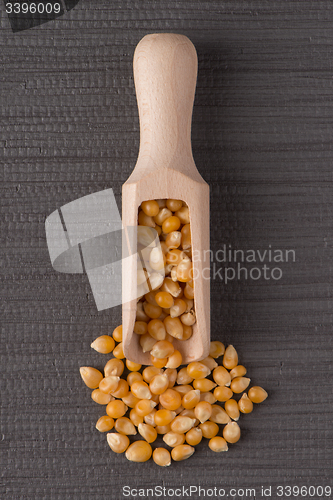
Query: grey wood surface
<point x="262" y="139"/>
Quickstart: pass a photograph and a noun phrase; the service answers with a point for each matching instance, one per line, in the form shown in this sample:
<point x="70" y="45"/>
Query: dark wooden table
<point x="262" y="139"/>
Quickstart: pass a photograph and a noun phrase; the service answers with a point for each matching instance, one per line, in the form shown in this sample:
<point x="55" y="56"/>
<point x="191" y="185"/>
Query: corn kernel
<point x="191" y="399"/>
<point x="174" y="257"/>
<point x="170" y="399"/>
<point x="103" y="344"/>
<point x="203" y="411"/>
<point x="174" y="327"/>
<point x="171" y="287"/>
<point x="174" y="205"/>
<point x="105" y="424"/>
<point x="182" y="452"/>
<point x="100" y="397"/>
<point x="150" y="418"/>
<point x="183" y="215"/>
<point x="173" y="439"/>
<point x="230" y="358"/>
<point x="147" y="432"/>
<point x="116" y="409"/>
<point x="164" y="299"/>
<point x="231" y="432"/>
<point x="232" y="409"/>
<point x="150" y="372"/>
<point x="183" y="389"/>
<point x="141" y="390"/>
<point x="178" y="308"/>
<point x="193" y="436"/>
<point x="170" y="224"/>
<point x="158" y="362"/>
<point x="222" y="376"/>
<point x="245" y="404"/>
<point x="257" y="394"/>
<point x="183" y="377"/>
<point x="130" y="400"/>
<point x="109" y="384"/>
<point x="171" y="373"/>
<point x="117" y="442"/>
<point x="114" y="367"/>
<point x="118" y="351"/>
<point x="123" y="425"/>
<point x="184" y="270"/>
<point x="156" y="329"/>
<point x="209" y="429"/>
<point x="203" y="384"/>
<point x="209" y="362"/>
<point x="238" y="371"/>
<point x="159" y="384"/>
<point x="208" y="396"/>
<point x="174" y="360"/>
<point x="218" y="444"/>
<point x="133" y="377"/>
<point x="189" y="291"/>
<point x="90" y="376"/>
<point x="182" y="424"/>
<point x="157" y="259"/>
<point x="162" y="349"/>
<point x="122" y="389"/>
<point x="139" y="451"/>
<point x="151" y="311"/>
<point x="197" y="370"/>
<point x="117" y="333"/>
<point x="164" y="417"/>
<point x="219" y="416"/>
<point x="162" y="215"/>
<point x="140" y="327"/>
<point x="135" y="417"/>
<point x="222" y="394"/>
<point x="162" y="457"/>
<point x="187" y="332"/>
<point x="144" y="407"/>
<point x="163" y="429"/>
<point x="150" y="207"/>
<point x="217" y="349"/>
<point x="147" y="342"/>
<point x="239" y="384"/>
<point x="186" y="236"/>
<point x="140" y="313"/>
<point x="173" y="240"/>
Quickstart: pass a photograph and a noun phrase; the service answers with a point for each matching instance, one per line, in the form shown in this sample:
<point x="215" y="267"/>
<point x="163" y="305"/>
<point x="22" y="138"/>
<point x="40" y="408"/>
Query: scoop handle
<point x="165" y="73"/>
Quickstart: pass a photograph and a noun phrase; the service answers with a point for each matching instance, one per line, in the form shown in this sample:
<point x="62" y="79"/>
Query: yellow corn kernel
<point x="230" y="358"/>
<point x="150" y="418"/>
<point x="140" y="327"/>
<point x="105" y="424"/>
<point x="209" y="362"/>
<point x="159" y="384"/>
<point x="208" y="396"/>
<point x="183" y="389"/>
<point x="116" y="409"/>
<point x="183" y="215"/>
<point x="141" y="390"/>
<point x="173" y="439"/>
<point x="231" y="432"/>
<point x="164" y="417"/>
<point x="103" y="344"/>
<point x="156" y="329"/>
<point x="90" y="376"/>
<point x="140" y="314"/>
<point x="203" y="384"/>
<point x="182" y="424"/>
<point x="219" y="416"/>
<point x="217" y="349"/>
<point x="135" y="417"/>
<point x="145" y="220"/>
<point x="144" y="407"/>
<point x="174" y="205"/>
<point x="182" y="452"/>
<point x="162" y="215"/>
<point x="147" y="342"/>
<point x="118" y="351"/>
<point x="178" y="308"/>
<point x="231" y="407"/>
<point x="161" y="203"/>
<point x="222" y="394"/>
<point x="197" y="370"/>
<point x="174" y="360"/>
<point x="209" y="429"/>
<point x="188" y="318"/>
<point x="152" y="312"/>
<point x="186" y="236"/>
<point x="171" y="287"/>
<point x="187" y="332"/>
<point x="150" y="208"/>
<point x="173" y="240"/>
<point x="172" y="376"/>
<point x="257" y="394"/>
<point x="134" y="367"/>
<point x="193" y="436"/>
<point x="184" y="270"/>
<point x="222" y="376"/>
<point x="114" y="367"/>
<point x="147" y="432"/>
<point x="183" y="377"/>
<point x="117" y="442"/>
<point x="158" y="362"/>
<point x="100" y="397"/>
<point x="238" y="371"/>
<point x="163" y="429"/>
<point x="162" y="457"/>
<point x="139" y="451"/>
<point x="170" y="399"/>
<point x="109" y="384"/>
<point x="162" y="349"/>
<point x="239" y="384"/>
<point x="189" y="413"/>
<point x="218" y="444"/>
<point x="157" y="259"/>
<point x="174" y="257"/>
<point x="189" y="291"/>
<point x="150" y="372"/>
<point x="123" y="425"/>
<point x="170" y="224"/>
<point x="133" y="377"/>
<point x="117" y="333"/>
<point x="122" y="389"/>
<point x="203" y="411"/>
<point x="191" y="399"/>
<point x="174" y="327"/>
<point x="130" y="400"/>
<point x="164" y="299"/>
<point x="245" y="404"/>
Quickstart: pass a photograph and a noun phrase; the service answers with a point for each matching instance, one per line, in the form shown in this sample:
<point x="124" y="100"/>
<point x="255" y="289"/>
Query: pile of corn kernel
<point x="167" y="312"/>
<point x="182" y="404"/>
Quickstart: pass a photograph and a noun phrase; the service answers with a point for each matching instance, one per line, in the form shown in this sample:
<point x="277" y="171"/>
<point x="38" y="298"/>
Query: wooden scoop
<point x="165" y="71"/>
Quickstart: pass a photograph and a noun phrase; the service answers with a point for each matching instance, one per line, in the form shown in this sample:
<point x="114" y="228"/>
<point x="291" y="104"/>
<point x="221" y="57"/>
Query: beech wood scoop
<point x="165" y="72"/>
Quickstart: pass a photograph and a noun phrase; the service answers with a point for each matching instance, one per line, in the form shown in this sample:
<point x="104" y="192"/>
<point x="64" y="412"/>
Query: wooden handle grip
<point x="165" y="72"/>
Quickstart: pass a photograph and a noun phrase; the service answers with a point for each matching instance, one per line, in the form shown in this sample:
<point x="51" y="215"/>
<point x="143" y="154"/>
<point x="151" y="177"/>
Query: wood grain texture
<point x="165" y="74"/>
<point x="262" y="140"/>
